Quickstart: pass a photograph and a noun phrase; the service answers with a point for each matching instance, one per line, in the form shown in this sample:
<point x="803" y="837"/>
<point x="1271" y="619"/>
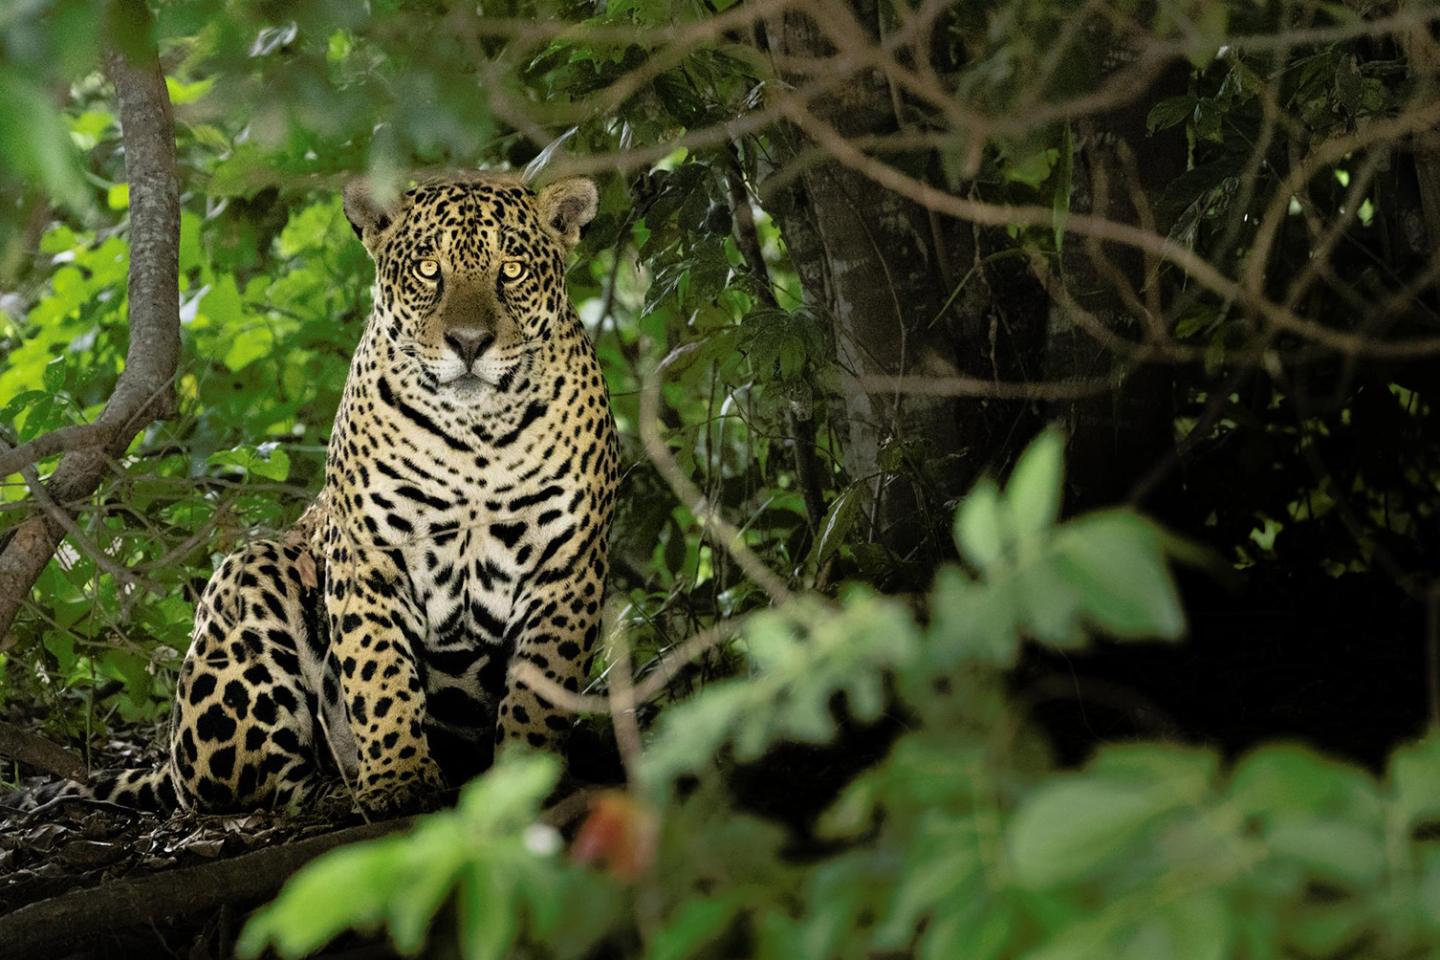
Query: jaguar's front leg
<point x="375" y="631"/>
<point x="556" y="631"/>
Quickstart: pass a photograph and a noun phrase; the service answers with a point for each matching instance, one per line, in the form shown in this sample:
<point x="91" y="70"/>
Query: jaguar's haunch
<point x="463" y="525"/>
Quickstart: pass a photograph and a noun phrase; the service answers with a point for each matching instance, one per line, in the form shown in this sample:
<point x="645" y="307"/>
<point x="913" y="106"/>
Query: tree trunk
<point x="886" y="274"/>
<point x="146" y="388"/>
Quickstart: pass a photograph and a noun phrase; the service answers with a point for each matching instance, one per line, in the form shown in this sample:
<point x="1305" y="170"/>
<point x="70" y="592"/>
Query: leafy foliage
<point x="1311" y="472"/>
<point x="962" y="841"/>
<point x="488" y="853"/>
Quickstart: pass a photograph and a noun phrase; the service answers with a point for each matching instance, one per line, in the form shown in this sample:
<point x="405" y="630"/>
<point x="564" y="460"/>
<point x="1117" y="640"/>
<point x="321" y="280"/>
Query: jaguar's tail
<point x="144" y="789"/>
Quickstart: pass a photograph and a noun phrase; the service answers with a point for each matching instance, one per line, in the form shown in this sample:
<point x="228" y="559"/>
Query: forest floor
<point x="85" y="878"/>
<point x="92" y="879"/>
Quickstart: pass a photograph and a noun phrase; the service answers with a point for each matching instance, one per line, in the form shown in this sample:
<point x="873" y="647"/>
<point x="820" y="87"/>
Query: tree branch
<point x="78" y="437"/>
<point x="20" y="744"/>
<point x="44" y="929"/>
<point x="801" y="428"/>
<point x="145" y="388"/>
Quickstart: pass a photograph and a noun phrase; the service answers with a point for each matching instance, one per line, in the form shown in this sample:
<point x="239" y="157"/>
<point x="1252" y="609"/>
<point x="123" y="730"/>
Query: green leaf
<point x="1335" y="850"/>
<point x="346" y="888"/>
<point x="509" y="795"/>
<point x="486" y="919"/>
<point x="1169" y="112"/>
<point x="1115" y="561"/>
<point x="221" y="305"/>
<point x="979" y="526"/>
<point x="1049" y="604"/>
<point x="1198" y="927"/>
<point x="183" y="93"/>
<point x="1207" y="33"/>
<point x="1032" y="168"/>
<point x="192" y="256"/>
<point x="35" y="142"/>
<point x="54" y="376"/>
<point x="976" y="928"/>
<point x="1034" y="490"/>
<point x="435" y="864"/>
<point x="1327" y="929"/>
<point x="1187" y="773"/>
<point x="943" y="861"/>
<point x="839" y="518"/>
<point x="1072" y="828"/>
<point x="1208" y="115"/>
<point x="267" y="462"/>
<point x="695" y="923"/>
<point x="1414" y="780"/>
<point x="248" y="346"/>
<point x="1283" y="780"/>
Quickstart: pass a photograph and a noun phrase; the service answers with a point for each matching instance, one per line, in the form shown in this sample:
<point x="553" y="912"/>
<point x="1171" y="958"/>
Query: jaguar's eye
<point x="512" y="270"/>
<point x="427" y="269"/>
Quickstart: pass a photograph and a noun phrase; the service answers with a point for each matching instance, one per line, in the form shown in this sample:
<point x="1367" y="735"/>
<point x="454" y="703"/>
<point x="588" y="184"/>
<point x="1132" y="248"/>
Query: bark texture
<point x="145" y="389"/>
<point x="905" y="296"/>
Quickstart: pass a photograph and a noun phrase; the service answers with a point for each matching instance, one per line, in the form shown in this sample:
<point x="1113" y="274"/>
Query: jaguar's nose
<point x="469" y="345"/>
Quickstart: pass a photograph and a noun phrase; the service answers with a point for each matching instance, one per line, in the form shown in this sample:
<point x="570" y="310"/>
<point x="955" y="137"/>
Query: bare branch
<point x="77" y="437"/>
<point x="42" y="929"/>
<point x="145" y="388"/>
<point x="19" y="744"/>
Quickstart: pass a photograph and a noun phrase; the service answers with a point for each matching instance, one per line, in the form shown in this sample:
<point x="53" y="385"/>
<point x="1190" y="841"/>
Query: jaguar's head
<point x="470" y="274"/>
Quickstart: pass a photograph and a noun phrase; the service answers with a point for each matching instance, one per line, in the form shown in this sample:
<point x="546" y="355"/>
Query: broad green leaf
<point x="182" y="93"/>
<point x="943" y="860"/>
<point x="1207" y="33"/>
<point x="1414" y="780"/>
<point x="90" y="127"/>
<point x="248" y="346"/>
<point x="485" y="911"/>
<point x="1115" y="562"/>
<point x="697" y="922"/>
<point x="509" y="795"/>
<point x="1034" y="490"/>
<point x="980" y="528"/>
<point x="1169" y="112"/>
<point x="1197" y="927"/>
<point x="693" y="731"/>
<point x="1279" y="781"/>
<point x="1187" y="772"/>
<point x="54" y="376"/>
<point x="346" y="888"/>
<point x="780" y="936"/>
<point x="435" y="864"/>
<point x="1070" y="828"/>
<point x="1032" y="168"/>
<point x="221" y="306"/>
<point x="267" y="462"/>
<point x="1049" y="604"/>
<point x="192" y="255"/>
<point x="976" y="928"/>
<point x="1326" y="929"/>
<point x="1335" y="850"/>
<point x="35" y="142"/>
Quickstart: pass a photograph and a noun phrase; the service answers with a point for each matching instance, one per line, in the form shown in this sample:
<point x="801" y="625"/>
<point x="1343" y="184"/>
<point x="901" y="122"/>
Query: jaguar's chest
<point x="467" y="545"/>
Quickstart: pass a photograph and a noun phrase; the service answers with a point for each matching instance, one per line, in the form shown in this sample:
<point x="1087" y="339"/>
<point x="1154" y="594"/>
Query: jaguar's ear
<point x="566" y="206"/>
<point x="369" y="218"/>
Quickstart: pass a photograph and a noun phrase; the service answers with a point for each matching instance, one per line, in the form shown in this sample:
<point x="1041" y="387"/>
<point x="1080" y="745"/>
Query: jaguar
<point x="462" y="528"/>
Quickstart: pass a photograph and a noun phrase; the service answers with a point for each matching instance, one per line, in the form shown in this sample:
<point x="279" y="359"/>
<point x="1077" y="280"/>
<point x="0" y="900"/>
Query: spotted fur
<point x="463" y="526"/>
